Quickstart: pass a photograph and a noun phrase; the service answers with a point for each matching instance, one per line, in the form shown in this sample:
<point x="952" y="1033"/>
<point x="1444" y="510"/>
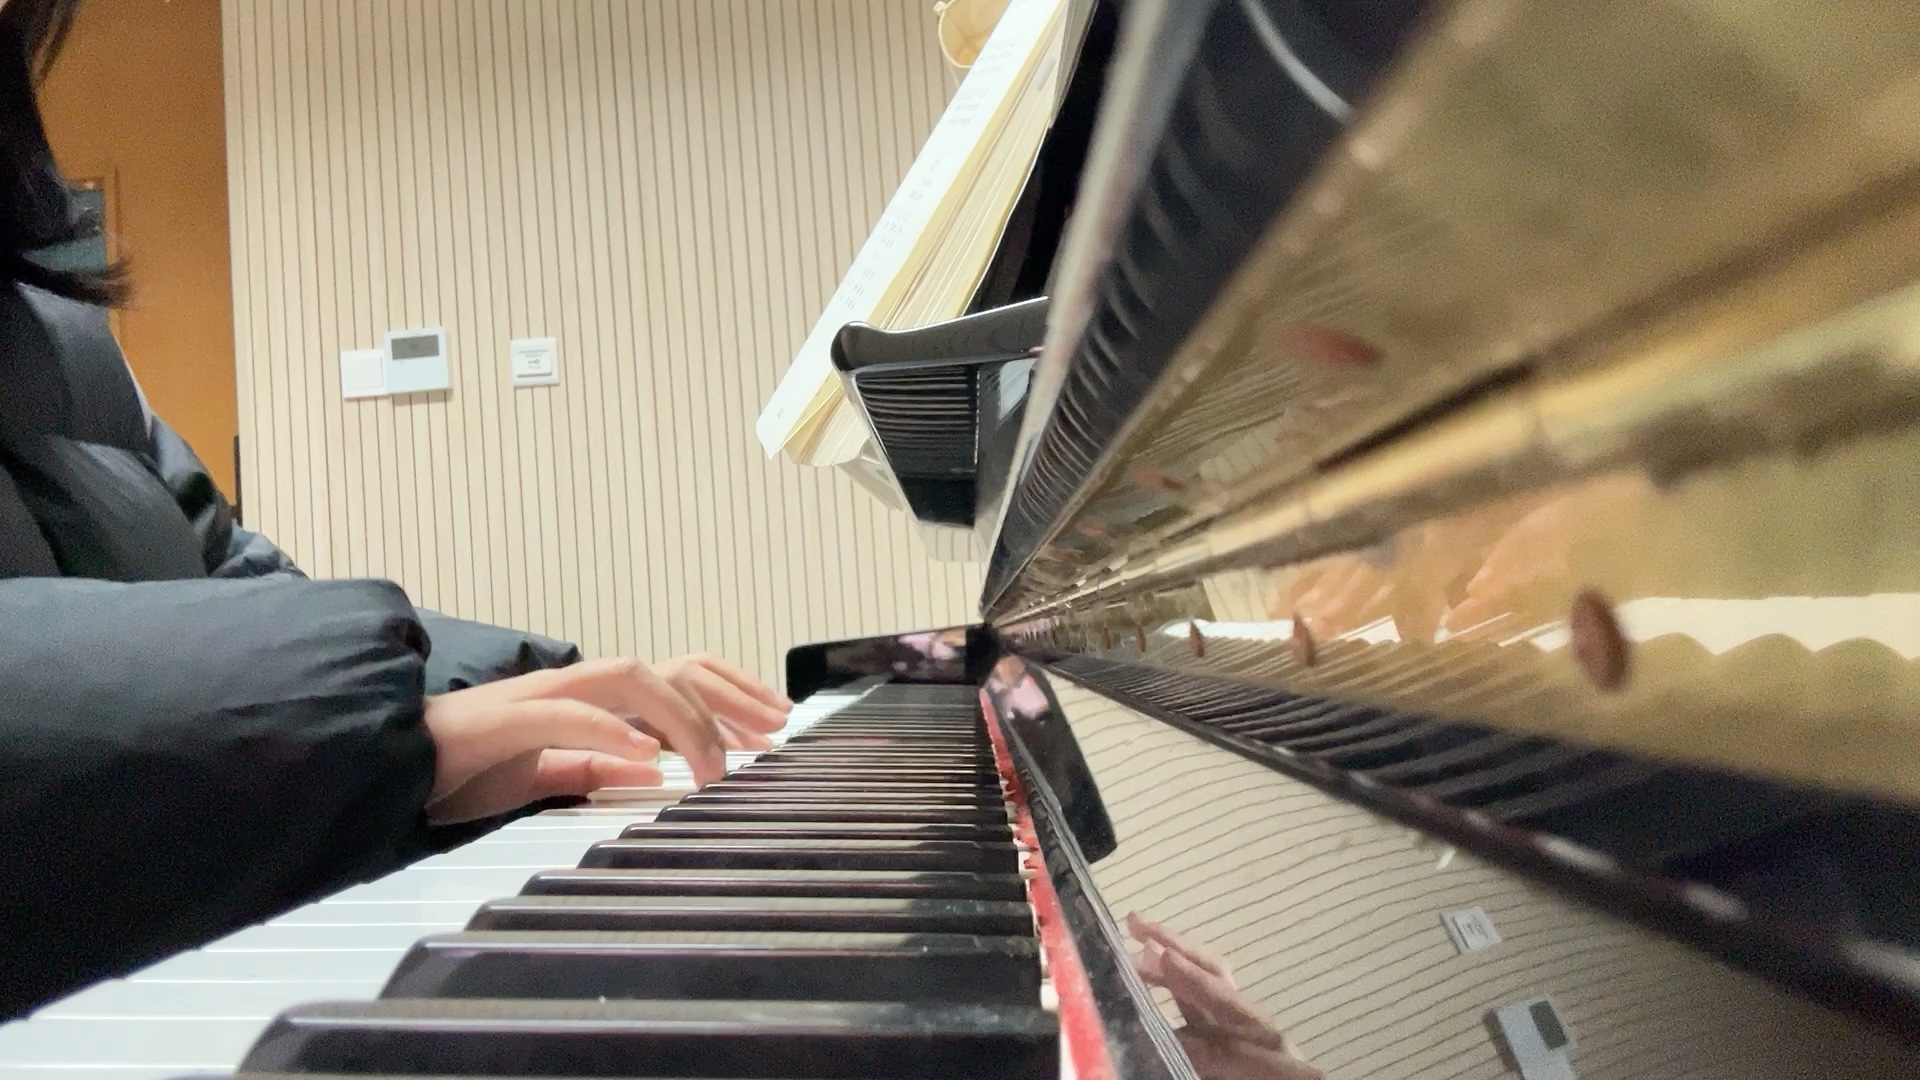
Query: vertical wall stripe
<point x="670" y="187"/>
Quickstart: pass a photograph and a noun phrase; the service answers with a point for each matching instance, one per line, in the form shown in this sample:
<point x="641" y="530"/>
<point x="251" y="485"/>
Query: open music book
<point x="926" y="255"/>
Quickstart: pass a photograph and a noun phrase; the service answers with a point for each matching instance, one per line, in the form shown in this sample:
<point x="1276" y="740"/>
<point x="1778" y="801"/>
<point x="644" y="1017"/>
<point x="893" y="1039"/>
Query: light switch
<point x="363" y="373"/>
<point x="536" y="361"/>
<point x="1471" y="929"/>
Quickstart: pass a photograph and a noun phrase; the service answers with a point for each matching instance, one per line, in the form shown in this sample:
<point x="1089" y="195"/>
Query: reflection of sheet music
<point x="914" y="216"/>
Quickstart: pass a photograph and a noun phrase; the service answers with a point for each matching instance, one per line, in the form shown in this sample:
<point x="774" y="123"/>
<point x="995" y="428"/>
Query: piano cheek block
<point x="955" y="968"/>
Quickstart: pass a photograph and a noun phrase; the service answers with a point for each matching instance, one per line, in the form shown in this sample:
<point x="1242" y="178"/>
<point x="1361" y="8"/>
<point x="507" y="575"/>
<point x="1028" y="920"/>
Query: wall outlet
<point x="535" y="361"/>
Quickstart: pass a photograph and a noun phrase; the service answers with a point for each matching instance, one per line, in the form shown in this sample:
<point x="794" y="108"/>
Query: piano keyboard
<point x="850" y="903"/>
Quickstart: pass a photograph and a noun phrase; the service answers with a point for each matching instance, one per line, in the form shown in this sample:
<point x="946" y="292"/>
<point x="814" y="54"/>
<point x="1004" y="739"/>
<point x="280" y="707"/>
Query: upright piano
<point x="1450" y="475"/>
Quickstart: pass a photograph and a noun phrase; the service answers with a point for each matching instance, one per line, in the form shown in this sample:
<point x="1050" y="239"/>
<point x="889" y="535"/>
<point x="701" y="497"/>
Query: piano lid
<point x="1214" y="115"/>
<point x="1546" y="456"/>
<point x="1573" y="392"/>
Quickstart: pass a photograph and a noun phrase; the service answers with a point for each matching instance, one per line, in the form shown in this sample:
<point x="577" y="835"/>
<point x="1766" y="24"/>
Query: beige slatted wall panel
<point x="671" y="188"/>
<point x="1331" y="919"/>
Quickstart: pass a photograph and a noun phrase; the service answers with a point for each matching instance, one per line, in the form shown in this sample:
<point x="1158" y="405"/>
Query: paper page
<point x="977" y="108"/>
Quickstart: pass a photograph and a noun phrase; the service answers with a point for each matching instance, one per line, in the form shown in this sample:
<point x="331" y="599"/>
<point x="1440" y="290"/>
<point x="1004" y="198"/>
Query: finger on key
<point x="632" y="690"/>
<point x="731" y="703"/>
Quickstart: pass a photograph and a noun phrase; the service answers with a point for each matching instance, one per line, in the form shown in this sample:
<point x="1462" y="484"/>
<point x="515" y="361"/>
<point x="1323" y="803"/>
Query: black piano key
<point x="819" y="914"/>
<point x="840" y="756"/>
<point x="879" y="884"/>
<point x="880" y="745"/>
<point x="713" y="966"/>
<point x="889" y="756"/>
<point x="1390" y="724"/>
<point x="859" y="789"/>
<point x="893" y="743"/>
<point x="900" y="774"/>
<point x="975" y="778"/>
<point x="1473" y="754"/>
<point x="752" y="794"/>
<point x="771" y="810"/>
<point x="975" y="788"/>
<point x="894" y="740"/>
<point x="703" y="1040"/>
<point x="853" y="721"/>
<point x="978" y="783"/>
<point x="973" y="733"/>
<point x="965" y="714"/>
<point x="965" y="856"/>
<point x="967" y="766"/>
<point x="981" y="754"/>
<point x="813" y="830"/>
<point x="1597" y="786"/>
<point x="1535" y="771"/>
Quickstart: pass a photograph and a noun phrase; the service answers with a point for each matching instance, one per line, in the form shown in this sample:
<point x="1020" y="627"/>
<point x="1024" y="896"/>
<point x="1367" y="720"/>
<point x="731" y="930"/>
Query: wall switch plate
<point x="536" y="361"/>
<point x="417" y="361"/>
<point x="363" y="373"/>
<point x="1471" y="929"/>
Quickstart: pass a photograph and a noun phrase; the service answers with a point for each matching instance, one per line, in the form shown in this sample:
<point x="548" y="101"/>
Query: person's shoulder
<point x="102" y="402"/>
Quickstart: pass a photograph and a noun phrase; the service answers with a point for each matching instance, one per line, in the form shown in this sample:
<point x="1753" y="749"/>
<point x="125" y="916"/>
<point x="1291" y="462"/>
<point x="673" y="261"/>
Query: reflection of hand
<point x="1225" y="1035"/>
<point x="1530" y="567"/>
<point x="1339" y="594"/>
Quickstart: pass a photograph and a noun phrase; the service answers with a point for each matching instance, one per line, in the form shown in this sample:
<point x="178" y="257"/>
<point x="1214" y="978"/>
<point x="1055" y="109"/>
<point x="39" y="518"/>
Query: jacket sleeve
<point x="470" y="653"/>
<point x="464" y="653"/>
<point x="181" y="759"/>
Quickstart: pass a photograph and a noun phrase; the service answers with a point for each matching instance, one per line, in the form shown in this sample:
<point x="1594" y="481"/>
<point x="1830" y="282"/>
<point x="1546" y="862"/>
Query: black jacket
<point x="193" y="736"/>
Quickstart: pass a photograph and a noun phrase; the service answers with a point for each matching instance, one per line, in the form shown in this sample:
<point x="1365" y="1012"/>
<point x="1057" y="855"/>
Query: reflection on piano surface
<point x="1451" y="507"/>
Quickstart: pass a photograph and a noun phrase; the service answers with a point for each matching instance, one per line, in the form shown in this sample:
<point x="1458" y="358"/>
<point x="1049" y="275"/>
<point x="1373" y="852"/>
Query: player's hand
<point x="1225" y="1036"/>
<point x="745" y="709"/>
<point x="574" y="730"/>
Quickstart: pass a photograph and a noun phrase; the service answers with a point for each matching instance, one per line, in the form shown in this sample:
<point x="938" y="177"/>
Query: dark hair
<point x="36" y="210"/>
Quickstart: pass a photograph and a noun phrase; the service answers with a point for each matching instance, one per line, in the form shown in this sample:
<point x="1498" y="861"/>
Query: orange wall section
<point x="136" y="101"/>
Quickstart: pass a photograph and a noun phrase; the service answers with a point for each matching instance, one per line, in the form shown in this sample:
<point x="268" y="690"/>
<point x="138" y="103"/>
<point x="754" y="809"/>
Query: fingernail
<point x="642" y="740"/>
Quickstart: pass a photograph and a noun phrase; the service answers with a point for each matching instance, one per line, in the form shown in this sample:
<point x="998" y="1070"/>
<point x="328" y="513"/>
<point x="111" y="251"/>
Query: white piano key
<point x="85" y="1073"/>
<point x="202" y="1000"/>
<point x="433" y="885"/>
<point x="557" y="823"/>
<point x="300" y="937"/>
<point x="276" y="965"/>
<point x="201" y="1011"/>
<point x="526" y="855"/>
<point x="423" y="913"/>
<point x="172" y="1043"/>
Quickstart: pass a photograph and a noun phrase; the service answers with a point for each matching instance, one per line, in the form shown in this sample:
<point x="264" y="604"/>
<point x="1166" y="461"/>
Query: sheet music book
<point x="933" y="242"/>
